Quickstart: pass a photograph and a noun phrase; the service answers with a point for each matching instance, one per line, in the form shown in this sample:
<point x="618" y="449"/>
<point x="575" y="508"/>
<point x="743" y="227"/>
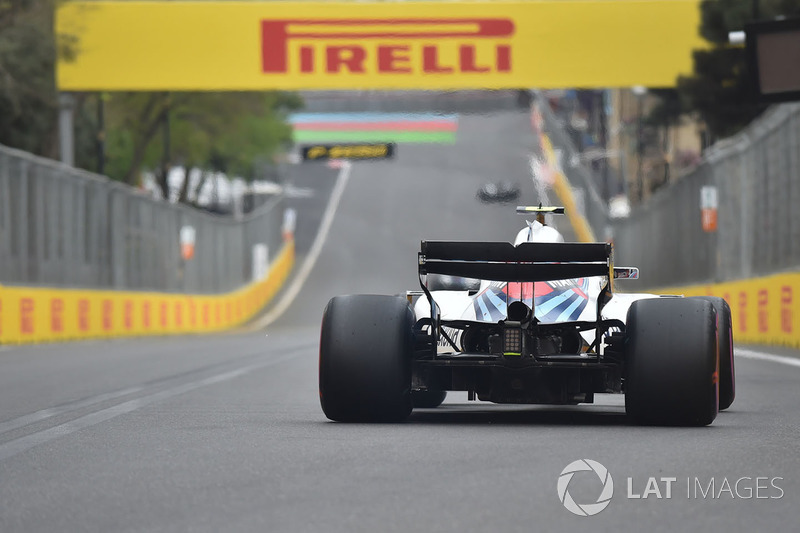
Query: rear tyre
<point x="671" y="362"/>
<point x="428" y="399"/>
<point x="727" y="375"/>
<point x="366" y="346"/>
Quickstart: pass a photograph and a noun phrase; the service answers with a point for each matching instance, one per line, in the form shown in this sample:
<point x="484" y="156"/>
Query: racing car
<point x="533" y="322"/>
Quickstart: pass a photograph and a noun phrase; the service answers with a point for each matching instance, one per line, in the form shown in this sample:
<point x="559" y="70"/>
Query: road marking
<point x="761" y="356"/>
<point x="44" y="414"/>
<point x="299" y="192"/>
<point x="316" y="248"/>
<point x="22" y="444"/>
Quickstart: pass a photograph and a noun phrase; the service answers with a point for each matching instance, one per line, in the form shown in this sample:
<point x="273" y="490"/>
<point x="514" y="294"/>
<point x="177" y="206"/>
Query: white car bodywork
<point x="555" y="301"/>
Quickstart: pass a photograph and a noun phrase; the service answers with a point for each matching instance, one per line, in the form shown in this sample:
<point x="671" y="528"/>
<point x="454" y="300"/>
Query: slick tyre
<point x="671" y="373"/>
<point x="427" y="399"/>
<point x="727" y="374"/>
<point x="366" y="346"/>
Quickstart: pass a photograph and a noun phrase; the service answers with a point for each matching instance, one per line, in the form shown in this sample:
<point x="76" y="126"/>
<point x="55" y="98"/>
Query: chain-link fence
<point x="756" y="175"/>
<point x="65" y="227"/>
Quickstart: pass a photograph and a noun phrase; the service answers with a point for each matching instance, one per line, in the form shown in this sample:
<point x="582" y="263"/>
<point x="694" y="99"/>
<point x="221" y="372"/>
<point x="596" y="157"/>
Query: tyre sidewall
<point x="671" y="362"/>
<point x="366" y="346"/>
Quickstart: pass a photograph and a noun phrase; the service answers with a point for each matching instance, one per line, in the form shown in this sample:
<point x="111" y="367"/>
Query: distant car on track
<point x="534" y="322"/>
<point x="501" y="192"/>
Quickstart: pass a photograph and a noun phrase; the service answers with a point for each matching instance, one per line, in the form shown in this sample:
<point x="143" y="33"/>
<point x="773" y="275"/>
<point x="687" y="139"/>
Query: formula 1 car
<point x="501" y="192"/>
<point x="534" y="322"/>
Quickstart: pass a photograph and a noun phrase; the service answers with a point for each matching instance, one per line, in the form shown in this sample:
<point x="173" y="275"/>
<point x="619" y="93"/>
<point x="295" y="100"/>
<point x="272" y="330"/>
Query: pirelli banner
<point x="178" y="46"/>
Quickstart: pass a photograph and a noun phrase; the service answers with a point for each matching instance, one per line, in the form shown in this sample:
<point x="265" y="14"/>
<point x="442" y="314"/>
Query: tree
<point x="28" y="101"/>
<point x="720" y="90"/>
<point x="226" y="132"/>
<point x="230" y="129"/>
<point x="668" y="110"/>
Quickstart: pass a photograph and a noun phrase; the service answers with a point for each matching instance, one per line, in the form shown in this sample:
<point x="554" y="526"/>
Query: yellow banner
<point x="389" y="45"/>
<point x="764" y="310"/>
<point x="31" y="314"/>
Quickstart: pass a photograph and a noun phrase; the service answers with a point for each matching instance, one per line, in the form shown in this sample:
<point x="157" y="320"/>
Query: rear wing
<point x="528" y="261"/>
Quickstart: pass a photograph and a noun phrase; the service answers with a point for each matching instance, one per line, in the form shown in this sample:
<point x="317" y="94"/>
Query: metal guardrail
<point x="65" y="227"/>
<point x="757" y="177"/>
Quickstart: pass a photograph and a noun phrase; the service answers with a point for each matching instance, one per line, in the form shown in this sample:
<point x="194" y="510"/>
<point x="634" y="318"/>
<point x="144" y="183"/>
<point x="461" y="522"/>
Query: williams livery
<point x="536" y="321"/>
<point x="554" y="301"/>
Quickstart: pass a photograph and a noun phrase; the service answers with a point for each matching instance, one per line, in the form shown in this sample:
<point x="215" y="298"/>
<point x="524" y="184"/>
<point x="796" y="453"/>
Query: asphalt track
<point x="225" y="433"/>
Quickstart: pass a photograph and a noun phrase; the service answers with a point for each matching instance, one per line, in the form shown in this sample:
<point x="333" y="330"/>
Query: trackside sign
<point x="383" y="45"/>
<point x="324" y="152"/>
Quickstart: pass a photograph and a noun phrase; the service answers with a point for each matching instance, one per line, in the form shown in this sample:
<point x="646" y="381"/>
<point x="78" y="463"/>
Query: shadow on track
<point x="536" y="416"/>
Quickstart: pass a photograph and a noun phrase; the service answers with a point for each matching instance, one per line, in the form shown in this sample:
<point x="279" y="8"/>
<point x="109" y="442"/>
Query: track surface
<point x="225" y="433"/>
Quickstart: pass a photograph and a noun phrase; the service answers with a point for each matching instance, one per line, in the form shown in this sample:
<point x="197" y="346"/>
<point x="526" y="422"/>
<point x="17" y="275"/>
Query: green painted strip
<point x="421" y="137"/>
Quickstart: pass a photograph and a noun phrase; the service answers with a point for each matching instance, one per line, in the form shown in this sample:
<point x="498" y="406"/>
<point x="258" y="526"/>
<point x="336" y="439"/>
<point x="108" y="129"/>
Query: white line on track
<point x="761" y="356"/>
<point x="44" y="414"/>
<point x="22" y="444"/>
<point x="316" y="247"/>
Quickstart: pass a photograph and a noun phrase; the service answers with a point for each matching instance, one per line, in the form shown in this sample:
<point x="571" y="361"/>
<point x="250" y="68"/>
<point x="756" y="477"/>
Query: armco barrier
<point x="40" y="314"/>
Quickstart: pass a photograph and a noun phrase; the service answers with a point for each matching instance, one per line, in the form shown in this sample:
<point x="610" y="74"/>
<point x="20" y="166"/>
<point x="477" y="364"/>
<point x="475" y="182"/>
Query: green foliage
<point x="720" y="90"/>
<point x="718" y="17"/>
<point x="255" y="137"/>
<point x="228" y="132"/>
<point x="668" y="110"/>
<point x="28" y="103"/>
